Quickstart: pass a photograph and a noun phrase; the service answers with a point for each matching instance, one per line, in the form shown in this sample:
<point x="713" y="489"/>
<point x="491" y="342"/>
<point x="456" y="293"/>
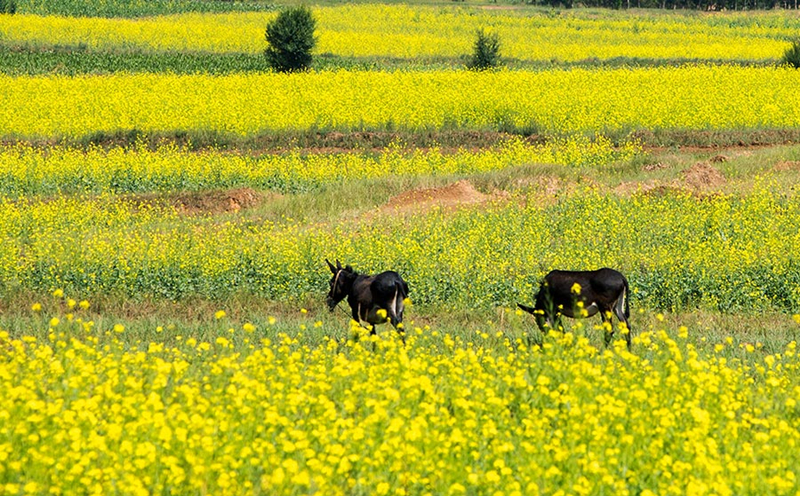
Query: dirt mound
<point x="204" y="202"/>
<point x="699" y="179"/>
<point x="702" y="176"/>
<point x="454" y="195"/>
<point x="218" y="201"/>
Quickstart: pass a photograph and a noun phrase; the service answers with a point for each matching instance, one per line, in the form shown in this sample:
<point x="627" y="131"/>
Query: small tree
<point x="487" y="51"/>
<point x="291" y="39"/>
<point x="8" y="7"/>
<point x="792" y="55"/>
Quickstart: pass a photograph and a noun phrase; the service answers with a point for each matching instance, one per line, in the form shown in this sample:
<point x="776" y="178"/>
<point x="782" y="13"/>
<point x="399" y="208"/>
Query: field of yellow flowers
<point x="559" y="101"/>
<point x="442" y="415"/>
<point x="97" y="399"/>
<point x="407" y="31"/>
<point x="726" y="252"/>
<point x="30" y="171"/>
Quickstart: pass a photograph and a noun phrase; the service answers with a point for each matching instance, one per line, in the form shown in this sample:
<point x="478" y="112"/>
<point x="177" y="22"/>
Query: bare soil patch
<point x="206" y="202"/>
<point x="702" y="177"/>
<point x="699" y="179"/>
<point x="458" y="194"/>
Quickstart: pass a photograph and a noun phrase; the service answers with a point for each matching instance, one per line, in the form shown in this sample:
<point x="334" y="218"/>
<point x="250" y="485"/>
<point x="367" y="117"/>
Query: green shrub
<point x="291" y="39"/>
<point x="8" y="6"/>
<point x="487" y="51"/>
<point x="792" y="55"/>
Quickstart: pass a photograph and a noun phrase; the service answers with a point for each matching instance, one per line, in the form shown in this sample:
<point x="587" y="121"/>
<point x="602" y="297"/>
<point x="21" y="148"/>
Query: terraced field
<point x="167" y="205"/>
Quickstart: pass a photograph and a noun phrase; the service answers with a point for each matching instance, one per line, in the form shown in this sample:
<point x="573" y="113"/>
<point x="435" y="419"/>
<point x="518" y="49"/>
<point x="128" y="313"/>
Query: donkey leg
<point x="608" y="327"/>
<point x="619" y="311"/>
<point x="396" y="323"/>
<point x="558" y="323"/>
<point x="624" y="320"/>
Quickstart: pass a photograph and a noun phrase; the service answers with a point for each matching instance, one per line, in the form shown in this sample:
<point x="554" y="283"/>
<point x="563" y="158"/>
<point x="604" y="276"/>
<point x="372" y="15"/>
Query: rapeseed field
<point x="259" y="404"/>
<point x="408" y="31"/>
<point x="553" y="102"/>
<point x="441" y="415"/>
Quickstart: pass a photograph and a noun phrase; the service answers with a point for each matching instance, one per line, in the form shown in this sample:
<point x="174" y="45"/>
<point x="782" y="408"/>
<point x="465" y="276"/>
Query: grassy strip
<point x="76" y="60"/>
<point x="198" y="318"/>
<point x="137" y="8"/>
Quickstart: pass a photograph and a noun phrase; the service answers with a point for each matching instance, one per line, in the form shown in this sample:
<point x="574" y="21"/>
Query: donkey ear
<point x="338" y="264"/>
<point x="330" y="265"/>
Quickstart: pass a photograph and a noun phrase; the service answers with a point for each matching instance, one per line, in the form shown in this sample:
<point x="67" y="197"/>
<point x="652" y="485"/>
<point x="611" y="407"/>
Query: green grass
<point x="76" y="60"/>
<point x="136" y="8"/>
<point x="71" y="61"/>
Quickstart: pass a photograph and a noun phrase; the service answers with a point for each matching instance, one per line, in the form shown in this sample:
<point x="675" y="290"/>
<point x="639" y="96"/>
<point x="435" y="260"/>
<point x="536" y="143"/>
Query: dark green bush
<point x="8" y="7"/>
<point x="486" y="53"/>
<point x="291" y="39"/>
<point x="792" y="55"/>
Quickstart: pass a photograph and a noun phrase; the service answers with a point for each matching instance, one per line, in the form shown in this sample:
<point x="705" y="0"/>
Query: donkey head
<point x="341" y="283"/>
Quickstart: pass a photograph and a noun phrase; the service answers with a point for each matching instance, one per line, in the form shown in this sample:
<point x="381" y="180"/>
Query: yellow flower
<point x="54" y="322"/>
<point x="58" y="293"/>
<point x="36" y="307"/>
<point x="219" y="314"/>
<point x="119" y="328"/>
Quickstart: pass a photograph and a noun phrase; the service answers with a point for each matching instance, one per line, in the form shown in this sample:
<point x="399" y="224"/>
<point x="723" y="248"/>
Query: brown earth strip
<point x="376" y="140"/>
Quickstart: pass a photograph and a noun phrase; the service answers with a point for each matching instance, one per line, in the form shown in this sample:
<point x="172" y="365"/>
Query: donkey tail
<point x="625" y="305"/>
<point x="400" y="294"/>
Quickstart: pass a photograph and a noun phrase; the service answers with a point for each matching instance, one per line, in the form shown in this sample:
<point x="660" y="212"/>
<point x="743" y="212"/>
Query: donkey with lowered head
<point x="368" y="295"/>
<point x="578" y="294"/>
